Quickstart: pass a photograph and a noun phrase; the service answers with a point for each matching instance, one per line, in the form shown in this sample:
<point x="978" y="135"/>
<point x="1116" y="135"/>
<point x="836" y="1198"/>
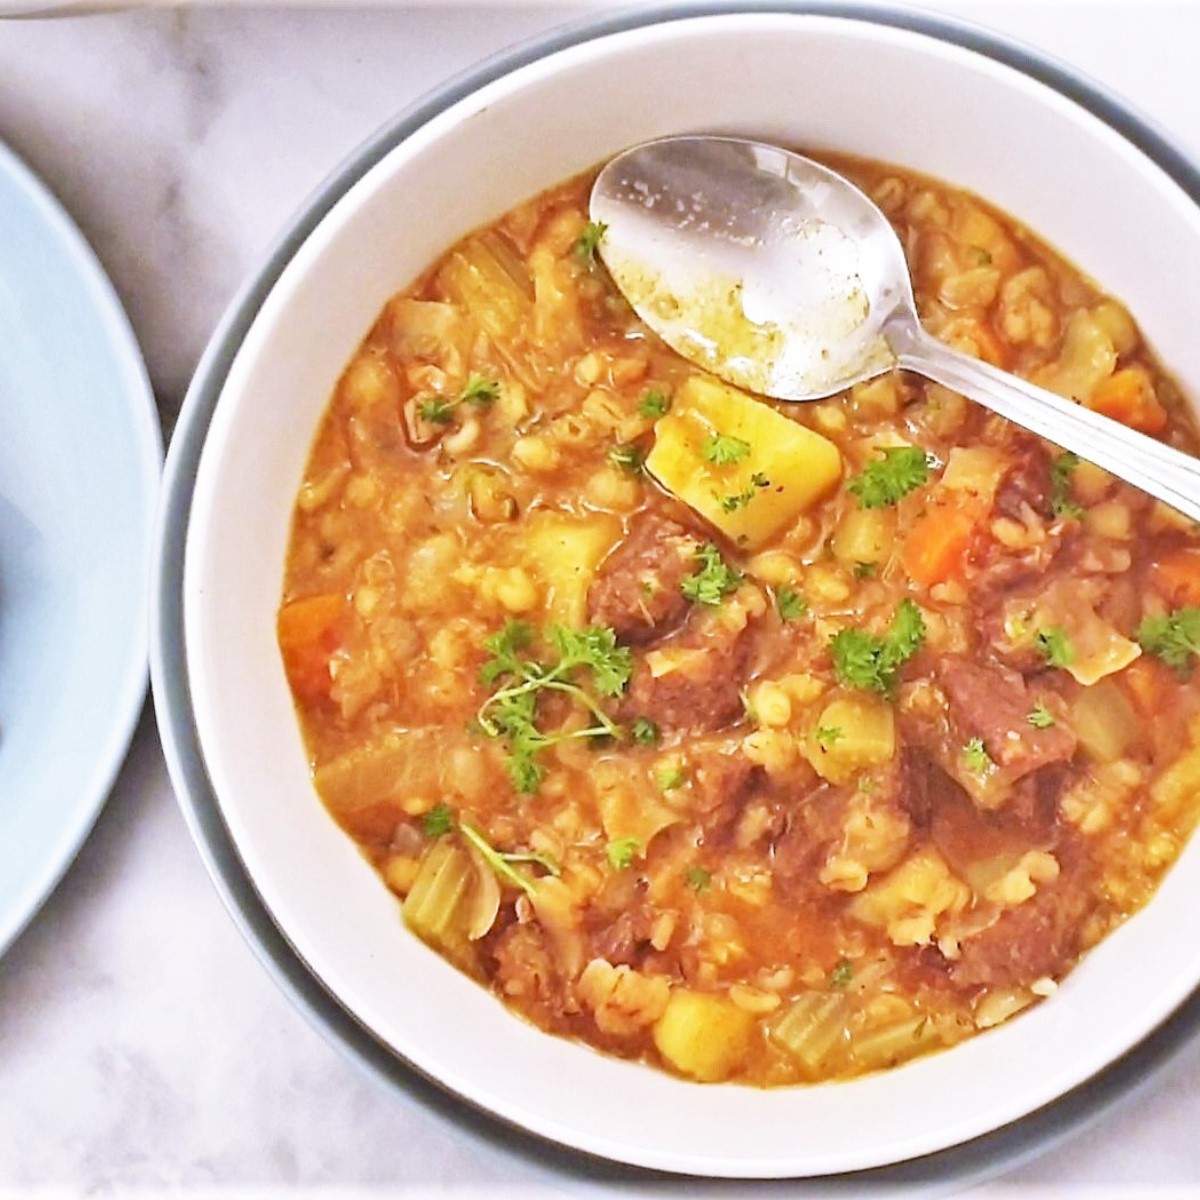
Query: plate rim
<point x="980" y="1158"/>
<point x="129" y="686"/>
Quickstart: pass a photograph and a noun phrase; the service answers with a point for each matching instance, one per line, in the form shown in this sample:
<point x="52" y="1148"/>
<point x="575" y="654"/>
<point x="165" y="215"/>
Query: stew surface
<point x="762" y="743"/>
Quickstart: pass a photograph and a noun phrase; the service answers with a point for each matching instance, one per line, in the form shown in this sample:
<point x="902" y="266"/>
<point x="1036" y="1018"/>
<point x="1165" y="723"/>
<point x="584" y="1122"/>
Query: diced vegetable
<point x="703" y="1035"/>
<point x="564" y="552"/>
<point x="1128" y="396"/>
<point x="366" y="787"/>
<point x="429" y="331"/>
<point x="629" y="809"/>
<point x="439" y="908"/>
<point x="787" y="469"/>
<point x="1087" y="357"/>
<point x="309" y="631"/>
<point x="865" y="737"/>
<point x="936" y="547"/>
<point x="864" y="535"/>
<point x="893" y="1043"/>
<point x="1149" y="684"/>
<point x="1104" y="720"/>
<point x="975" y="469"/>
<point x="908" y="901"/>
<point x="486" y="277"/>
<point x="1177" y="575"/>
<point x="812" y="1028"/>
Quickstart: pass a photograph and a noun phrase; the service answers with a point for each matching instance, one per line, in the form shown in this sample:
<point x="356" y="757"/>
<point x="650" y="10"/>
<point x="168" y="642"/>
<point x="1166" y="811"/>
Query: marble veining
<point x="142" y="1046"/>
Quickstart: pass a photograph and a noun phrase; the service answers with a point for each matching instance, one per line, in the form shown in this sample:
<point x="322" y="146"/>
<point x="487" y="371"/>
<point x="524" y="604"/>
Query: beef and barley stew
<point x="761" y="743"/>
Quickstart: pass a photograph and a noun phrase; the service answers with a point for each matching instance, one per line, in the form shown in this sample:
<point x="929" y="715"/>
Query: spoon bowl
<point x="779" y="275"/>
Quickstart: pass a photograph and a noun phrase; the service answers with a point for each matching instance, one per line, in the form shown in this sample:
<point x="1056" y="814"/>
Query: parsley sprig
<point x="724" y="450"/>
<point x="889" y="479"/>
<point x="504" y="864"/>
<point x="589" y="240"/>
<point x="733" y="501"/>
<point x="621" y="852"/>
<point x="790" y="603"/>
<point x="1173" y="637"/>
<point x="1061" y="469"/>
<point x="1054" y="646"/>
<point x="479" y="391"/>
<point x="713" y="578"/>
<point x="511" y="712"/>
<point x="627" y="456"/>
<point x="862" y="660"/>
<point x="654" y="404"/>
<point x="440" y="820"/>
<point x="976" y="758"/>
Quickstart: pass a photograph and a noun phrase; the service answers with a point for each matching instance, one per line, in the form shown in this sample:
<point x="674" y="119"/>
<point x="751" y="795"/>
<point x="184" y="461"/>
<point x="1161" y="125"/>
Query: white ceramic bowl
<point x="806" y="80"/>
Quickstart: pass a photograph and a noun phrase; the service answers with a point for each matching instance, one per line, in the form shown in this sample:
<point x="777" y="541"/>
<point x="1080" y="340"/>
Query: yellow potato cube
<point x="563" y="552"/>
<point x="852" y="733"/>
<point x="703" y="1035"/>
<point x="775" y="469"/>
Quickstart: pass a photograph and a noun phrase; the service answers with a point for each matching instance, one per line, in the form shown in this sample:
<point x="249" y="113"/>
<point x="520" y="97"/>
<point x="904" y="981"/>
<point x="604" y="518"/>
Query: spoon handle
<point x="1164" y="472"/>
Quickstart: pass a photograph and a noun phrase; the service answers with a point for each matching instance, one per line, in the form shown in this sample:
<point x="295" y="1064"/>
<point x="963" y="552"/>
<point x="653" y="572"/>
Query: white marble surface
<point x="142" y="1046"/>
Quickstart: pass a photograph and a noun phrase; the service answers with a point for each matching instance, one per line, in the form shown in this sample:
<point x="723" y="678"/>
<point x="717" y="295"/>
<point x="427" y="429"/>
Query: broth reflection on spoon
<point x="780" y="276"/>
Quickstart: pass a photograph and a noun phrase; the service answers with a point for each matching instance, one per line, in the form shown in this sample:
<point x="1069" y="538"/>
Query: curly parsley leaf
<point x="589" y="240"/>
<point x="478" y="391"/>
<point x="1054" y="646"/>
<point x="595" y="648"/>
<point x="654" y="404"/>
<point x="976" y="758"/>
<point x="437" y="412"/>
<point x="724" y="450"/>
<point x="731" y="503"/>
<point x="697" y="878"/>
<point x="438" y="820"/>
<point x="713" y="578"/>
<point x="511" y="712"/>
<point x="670" y="777"/>
<point x="1040" y="717"/>
<point x="621" y="853"/>
<point x="1061" y="469"/>
<point x="842" y="973"/>
<point x="888" y="480"/>
<point x="862" y="660"/>
<point x="627" y="457"/>
<point x="790" y="603"/>
<point x="827" y="735"/>
<point x="1173" y="637"/>
<point x="644" y="731"/>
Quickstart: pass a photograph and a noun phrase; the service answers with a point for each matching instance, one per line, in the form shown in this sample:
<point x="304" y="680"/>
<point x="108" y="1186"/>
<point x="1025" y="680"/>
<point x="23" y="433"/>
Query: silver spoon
<point x="780" y="276"/>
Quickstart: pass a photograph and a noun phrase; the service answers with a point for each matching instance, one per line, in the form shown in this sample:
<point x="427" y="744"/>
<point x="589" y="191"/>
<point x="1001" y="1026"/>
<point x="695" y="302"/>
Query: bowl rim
<point x="980" y="1157"/>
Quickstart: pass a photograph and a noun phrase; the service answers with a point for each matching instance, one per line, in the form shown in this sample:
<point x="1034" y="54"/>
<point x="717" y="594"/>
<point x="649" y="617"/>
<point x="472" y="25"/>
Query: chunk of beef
<point x="905" y="782"/>
<point x="624" y="940"/>
<point x="527" y="972"/>
<point x="721" y="777"/>
<point x="1029" y="482"/>
<point x="1041" y="937"/>
<point x="965" y="835"/>
<point x="693" y="681"/>
<point x="813" y="826"/>
<point x="637" y="588"/>
<point x="992" y="703"/>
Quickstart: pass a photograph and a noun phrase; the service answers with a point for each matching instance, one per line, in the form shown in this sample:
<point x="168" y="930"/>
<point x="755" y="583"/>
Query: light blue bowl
<point x="80" y="450"/>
